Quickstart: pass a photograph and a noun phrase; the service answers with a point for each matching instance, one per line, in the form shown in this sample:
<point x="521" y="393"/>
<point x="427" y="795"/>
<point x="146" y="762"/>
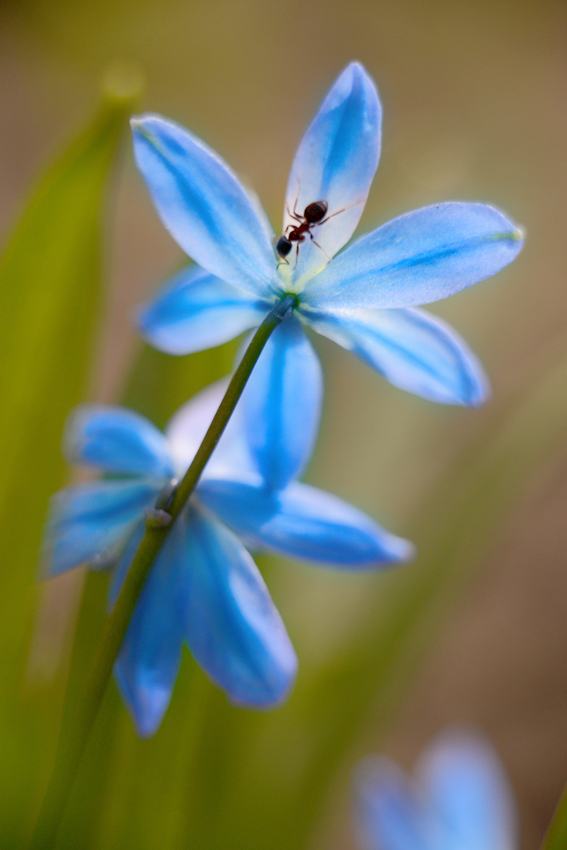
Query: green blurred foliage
<point x="556" y="837"/>
<point x="50" y="294"/>
<point x="474" y="109"/>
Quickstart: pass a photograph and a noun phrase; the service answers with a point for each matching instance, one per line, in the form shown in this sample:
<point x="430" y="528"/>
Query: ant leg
<point x="298" y="217"/>
<point x="320" y="247"/>
<point x="296" y="256"/>
<point x="338" y="212"/>
<point x="293" y="215"/>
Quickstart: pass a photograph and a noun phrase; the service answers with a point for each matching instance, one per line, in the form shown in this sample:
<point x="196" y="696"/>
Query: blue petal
<point x="389" y="813"/>
<point x="188" y="426"/>
<point x="412" y="349"/>
<point x="124" y="562"/>
<point x="469" y="791"/>
<point x="204" y="205"/>
<point x="150" y="655"/>
<point x="117" y="440"/>
<point x="232" y="626"/>
<point x="418" y="258"/>
<point x="282" y="404"/>
<point x="87" y="521"/>
<point x="303" y="522"/>
<point x="196" y="310"/>
<point x="336" y="162"/>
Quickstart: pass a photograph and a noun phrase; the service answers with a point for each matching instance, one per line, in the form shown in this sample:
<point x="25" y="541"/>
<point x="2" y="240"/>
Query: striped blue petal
<point x="390" y="813"/>
<point x="231" y="624"/>
<point x="89" y="521"/>
<point x="196" y="310"/>
<point x="150" y="655"/>
<point x="413" y="349"/>
<point x="124" y="562"/>
<point x="282" y="405"/>
<point x="469" y="791"/>
<point x="116" y="439"/>
<point x="190" y="423"/>
<point x="420" y="257"/>
<point x="335" y="162"/>
<point x="303" y="522"/>
<point x="204" y="205"/>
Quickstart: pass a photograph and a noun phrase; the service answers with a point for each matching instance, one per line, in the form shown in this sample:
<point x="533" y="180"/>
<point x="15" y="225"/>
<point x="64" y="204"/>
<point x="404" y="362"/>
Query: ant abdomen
<point x="315" y="212"/>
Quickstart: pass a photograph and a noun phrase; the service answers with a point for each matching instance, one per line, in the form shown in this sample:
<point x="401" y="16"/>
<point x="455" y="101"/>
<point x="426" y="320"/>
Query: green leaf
<point x="556" y="837"/>
<point x="50" y="299"/>
<point x="158" y="386"/>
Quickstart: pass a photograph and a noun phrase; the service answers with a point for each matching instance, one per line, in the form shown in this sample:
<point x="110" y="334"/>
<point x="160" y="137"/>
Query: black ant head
<point x="283" y="246"/>
<point x="315" y="212"/>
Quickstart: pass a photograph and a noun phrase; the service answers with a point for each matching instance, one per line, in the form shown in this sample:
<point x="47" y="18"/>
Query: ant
<point x="314" y="213"/>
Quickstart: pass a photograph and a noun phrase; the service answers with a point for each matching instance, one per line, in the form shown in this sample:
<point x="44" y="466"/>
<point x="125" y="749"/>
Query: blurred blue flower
<point x="204" y="587"/>
<point x="460" y="799"/>
<point x="365" y="299"/>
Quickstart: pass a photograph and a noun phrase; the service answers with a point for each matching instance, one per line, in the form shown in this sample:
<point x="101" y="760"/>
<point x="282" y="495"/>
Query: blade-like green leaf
<point x="115" y="759"/>
<point x="50" y="295"/>
<point x="556" y="837"/>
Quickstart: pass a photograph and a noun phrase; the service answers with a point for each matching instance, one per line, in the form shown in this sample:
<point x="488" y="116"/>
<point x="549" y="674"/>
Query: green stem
<point x="73" y="740"/>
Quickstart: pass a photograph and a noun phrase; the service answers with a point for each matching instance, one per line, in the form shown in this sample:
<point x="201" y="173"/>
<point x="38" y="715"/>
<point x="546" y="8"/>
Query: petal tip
<point x="356" y="68"/>
<point x="141" y="319"/>
<point x="516" y="235"/>
<point x="480" y="397"/>
<point x="144" y="128"/>
<point x="477" y="389"/>
<point x="275" y="696"/>
<point x="395" y="550"/>
<point x="406" y="551"/>
<point x="138" y="125"/>
<point x="144" y="728"/>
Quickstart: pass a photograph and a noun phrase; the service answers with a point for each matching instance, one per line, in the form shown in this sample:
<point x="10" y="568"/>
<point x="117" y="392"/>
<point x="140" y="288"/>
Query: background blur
<point x="475" y="108"/>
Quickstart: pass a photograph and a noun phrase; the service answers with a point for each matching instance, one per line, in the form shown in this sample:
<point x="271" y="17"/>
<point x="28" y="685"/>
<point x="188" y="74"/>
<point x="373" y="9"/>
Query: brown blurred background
<point x="475" y="108"/>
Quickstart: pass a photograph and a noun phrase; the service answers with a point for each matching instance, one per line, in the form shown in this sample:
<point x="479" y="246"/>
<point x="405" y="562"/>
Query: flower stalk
<point x="74" y="739"/>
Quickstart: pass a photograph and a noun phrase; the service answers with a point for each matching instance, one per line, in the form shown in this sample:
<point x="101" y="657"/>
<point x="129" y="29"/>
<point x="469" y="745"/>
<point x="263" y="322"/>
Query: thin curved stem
<point x="74" y="739"/>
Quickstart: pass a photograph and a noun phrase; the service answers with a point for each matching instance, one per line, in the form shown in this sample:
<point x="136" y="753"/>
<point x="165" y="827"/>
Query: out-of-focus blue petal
<point x="414" y="350"/>
<point x="204" y="205"/>
<point x="335" y="162"/>
<point x="469" y="791"/>
<point x="418" y="258"/>
<point x="390" y="815"/>
<point x="282" y="404"/>
<point x="189" y="425"/>
<point x="149" y="658"/>
<point x="124" y="562"/>
<point x="197" y="310"/>
<point x="303" y="522"/>
<point x="116" y="440"/>
<point x="88" y="520"/>
<point x="232" y="626"/>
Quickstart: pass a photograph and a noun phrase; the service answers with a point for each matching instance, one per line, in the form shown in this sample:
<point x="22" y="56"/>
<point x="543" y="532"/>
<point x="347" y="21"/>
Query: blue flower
<point x="460" y="800"/>
<point x="366" y="299"/>
<point x="204" y="587"/>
